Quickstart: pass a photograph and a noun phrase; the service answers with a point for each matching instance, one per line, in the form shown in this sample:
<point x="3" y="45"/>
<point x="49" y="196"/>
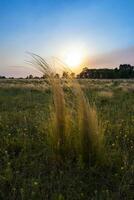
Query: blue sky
<point x="46" y="27"/>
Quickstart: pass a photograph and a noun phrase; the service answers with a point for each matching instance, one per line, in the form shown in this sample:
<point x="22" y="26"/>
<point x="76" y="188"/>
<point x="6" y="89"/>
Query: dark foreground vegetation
<point x="29" y="169"/>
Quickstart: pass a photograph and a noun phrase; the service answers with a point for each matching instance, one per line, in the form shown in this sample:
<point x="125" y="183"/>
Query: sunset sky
<point x="104" y="29"/>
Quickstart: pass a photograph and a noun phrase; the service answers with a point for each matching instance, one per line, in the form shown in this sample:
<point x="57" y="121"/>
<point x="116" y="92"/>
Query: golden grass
<point x="86" y="141"/>
<point x="107" y="94"/>
<point x="87" y="125"/>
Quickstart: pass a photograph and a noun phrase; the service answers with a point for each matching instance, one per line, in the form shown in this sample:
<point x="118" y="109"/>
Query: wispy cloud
<point x="114" y="58"/>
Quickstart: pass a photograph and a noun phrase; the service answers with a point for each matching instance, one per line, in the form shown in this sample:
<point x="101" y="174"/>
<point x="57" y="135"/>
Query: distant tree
<point x="126" y="71"/>
<point x="85" y="69"/>
<point x="36" y="77"/>
<point x="72" y="75"/>
<point x="65" y="75"/>
<point x="57" y="75"/>
<point x="11" y="77"/>
<point x="2" y="77"/>
<point x="30" y="76"/>
<point x="44" y="76"/>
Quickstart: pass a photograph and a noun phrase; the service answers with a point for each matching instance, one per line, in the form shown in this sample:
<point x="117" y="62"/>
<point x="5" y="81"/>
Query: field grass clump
<point x="87" y="128"/>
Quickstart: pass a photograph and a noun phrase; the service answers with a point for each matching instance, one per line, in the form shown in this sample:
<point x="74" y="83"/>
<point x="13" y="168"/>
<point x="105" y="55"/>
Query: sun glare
<point x="74" y="57"/>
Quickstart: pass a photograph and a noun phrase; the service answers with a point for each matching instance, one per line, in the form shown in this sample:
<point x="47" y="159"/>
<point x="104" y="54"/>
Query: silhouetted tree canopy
<point x="124" y="71"/>
<point x="72" y="75"/>
<point x="57" y="76"/>
<point x="65" y="75"/>
<point x="2" y="77"/>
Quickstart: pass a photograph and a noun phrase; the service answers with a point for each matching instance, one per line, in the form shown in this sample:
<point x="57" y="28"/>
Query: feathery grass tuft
<point x="86" y="141"/>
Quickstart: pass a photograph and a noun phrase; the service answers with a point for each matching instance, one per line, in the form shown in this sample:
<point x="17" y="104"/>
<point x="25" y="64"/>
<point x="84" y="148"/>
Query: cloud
<point x="114" y="58"/>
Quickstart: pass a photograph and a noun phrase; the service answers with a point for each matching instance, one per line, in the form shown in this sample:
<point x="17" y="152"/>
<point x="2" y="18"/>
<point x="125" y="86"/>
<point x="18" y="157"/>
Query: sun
<point x="74" y="57"/>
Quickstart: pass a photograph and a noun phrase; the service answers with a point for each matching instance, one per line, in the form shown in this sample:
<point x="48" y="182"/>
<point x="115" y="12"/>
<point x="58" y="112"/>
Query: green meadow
<point x="73" y="142"/>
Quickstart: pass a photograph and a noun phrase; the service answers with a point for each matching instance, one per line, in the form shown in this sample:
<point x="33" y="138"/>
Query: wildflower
<point x="35" y="183"/>
<point x="5" y="152"/>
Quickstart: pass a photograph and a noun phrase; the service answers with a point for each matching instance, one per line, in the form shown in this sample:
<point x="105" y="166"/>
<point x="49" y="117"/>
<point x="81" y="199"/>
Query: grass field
<point x="30" y="169"/>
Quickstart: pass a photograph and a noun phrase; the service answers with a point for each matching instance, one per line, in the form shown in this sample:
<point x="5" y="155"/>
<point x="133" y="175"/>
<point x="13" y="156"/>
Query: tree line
<point x="64" y="75"/>
<point x="124" y="71"/>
